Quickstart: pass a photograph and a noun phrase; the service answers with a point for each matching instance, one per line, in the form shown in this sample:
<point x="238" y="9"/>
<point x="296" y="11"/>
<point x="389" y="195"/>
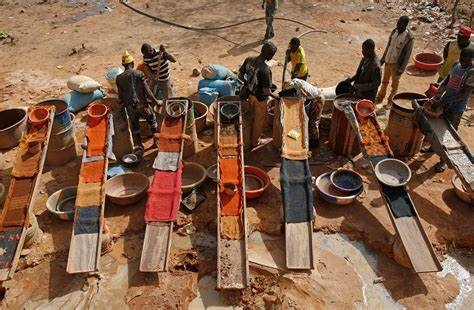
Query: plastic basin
<point x="126" y="189"/>
<point x="193" y="176"/>
<point x="38" y="116"/>
<point x="12" y="125"/>
<point x="427" y="61"/>
<point x="329" y="193"/>
<point x="393" y="172"/>
<point x="256" y="182"/>
<point x="365" y="108"/>
<point x="346" y="181"/>
<point x="62" y="203"/>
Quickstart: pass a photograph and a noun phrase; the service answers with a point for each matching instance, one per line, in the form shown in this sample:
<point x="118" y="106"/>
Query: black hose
<point x="171" y="23"/>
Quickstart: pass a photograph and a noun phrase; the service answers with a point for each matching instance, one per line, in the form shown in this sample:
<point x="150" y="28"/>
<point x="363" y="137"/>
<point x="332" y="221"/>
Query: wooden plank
<point x="413" y="239"/>
<point x="85" y="249"/>
<point x="122" y="140"/>
<point x="83" y="253"/>
<point x="7" y="273"/>
<point x="156" y="247"/>
<point x="232" y="257"/>
<point x="158" y="235"/>
<point x="299" y="245"/>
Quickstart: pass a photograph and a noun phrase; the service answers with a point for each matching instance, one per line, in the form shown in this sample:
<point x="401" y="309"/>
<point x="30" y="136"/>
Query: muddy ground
<point x="51" y="42"/>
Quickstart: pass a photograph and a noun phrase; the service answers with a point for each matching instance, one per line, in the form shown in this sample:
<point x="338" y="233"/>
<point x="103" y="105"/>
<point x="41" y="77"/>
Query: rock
<point x="400" y="255"/>
<point x="195" y="73"/>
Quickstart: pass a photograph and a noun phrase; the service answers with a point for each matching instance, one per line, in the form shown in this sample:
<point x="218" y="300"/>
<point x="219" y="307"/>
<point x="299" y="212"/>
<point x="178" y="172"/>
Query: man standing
<point x="270" y="7"/>
<point x="133" y="91"/>
<point x="158" y="64"/>
<point x="368" y="75"/>
<point x="296" y="55"/>
<point x="396" y="57"/>
<point x="452" y="50"/>
<point x="257" y="78"/>
<point x="453" y="94"/>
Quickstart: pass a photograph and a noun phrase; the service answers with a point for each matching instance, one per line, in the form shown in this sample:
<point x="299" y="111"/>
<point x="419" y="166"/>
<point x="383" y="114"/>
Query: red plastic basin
<point x="255" y="175"/>
<point x="365" y="108"/>
<point x="427" y="61"/>
<point x="38" y="116"/>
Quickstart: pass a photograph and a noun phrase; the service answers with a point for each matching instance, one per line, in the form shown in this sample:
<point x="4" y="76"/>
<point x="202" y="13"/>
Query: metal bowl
<point x="329" y="193"/>
<point x="212" y="172"/>
<point x="130" y="160"/>
<point x="393" y="172"/>
<point x="193" y="176"/>
<point x="461" y="191"/>
<point x="126" y="189"/>
<point x="346" y="181"/>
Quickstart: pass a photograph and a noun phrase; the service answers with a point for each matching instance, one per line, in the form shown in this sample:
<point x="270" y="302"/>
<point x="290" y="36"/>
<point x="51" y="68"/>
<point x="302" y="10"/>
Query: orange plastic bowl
<point x="38" y="116"/>
<point x="96" y="111"/>
<point x="427" y="61"/>
<point x="256" y="182"/>
<point x="365" y="108"/>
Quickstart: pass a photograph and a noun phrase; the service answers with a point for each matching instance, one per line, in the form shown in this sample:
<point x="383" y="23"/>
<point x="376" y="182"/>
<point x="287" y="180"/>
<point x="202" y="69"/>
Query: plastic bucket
<point x="95" y="113"/>
<point x="38" y="116"/>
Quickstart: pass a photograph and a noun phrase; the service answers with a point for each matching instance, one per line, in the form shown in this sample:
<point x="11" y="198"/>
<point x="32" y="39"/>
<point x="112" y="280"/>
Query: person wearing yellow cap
<point x="133" y="91"/>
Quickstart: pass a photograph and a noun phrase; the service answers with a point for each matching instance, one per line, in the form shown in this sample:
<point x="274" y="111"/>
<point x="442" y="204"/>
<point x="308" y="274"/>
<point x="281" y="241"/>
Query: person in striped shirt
<point x="157" y="63"/>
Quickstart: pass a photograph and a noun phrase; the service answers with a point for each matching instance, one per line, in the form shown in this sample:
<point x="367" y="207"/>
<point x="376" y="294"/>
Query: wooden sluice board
<point x="232" y="238"/>
<point x="158" y="235"/>
<point x="449" y="145"/>
<point x="408" y="226"/>
<point x="86" y="244"/>
<point x="12" y="238"/>
<point x="298" y="234"/>
<point x="122" y="141"/>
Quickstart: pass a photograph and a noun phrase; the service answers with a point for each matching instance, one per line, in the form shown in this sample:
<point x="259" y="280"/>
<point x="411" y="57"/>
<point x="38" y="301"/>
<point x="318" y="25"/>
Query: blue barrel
<point x="62" y="119"/>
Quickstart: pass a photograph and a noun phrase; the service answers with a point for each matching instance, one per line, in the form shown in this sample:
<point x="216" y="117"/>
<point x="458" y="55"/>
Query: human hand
<point x="162" y="48"/>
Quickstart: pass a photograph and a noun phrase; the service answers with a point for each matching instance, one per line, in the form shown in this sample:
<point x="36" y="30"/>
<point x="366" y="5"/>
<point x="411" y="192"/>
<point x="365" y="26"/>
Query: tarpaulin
<point x="96" y="138"/>
<point x="167" y="161"/>
<point x="230" y="172"/>
<point x="171" y="134"/>
<point x="27" y="164"/>
<point x="296" y="190"/>
<point x="92" y="172"/>
<point x="164" y="196"/>
<point x="15" y="209"/>
<point x="8" y="243"/>
<point x="374" y="140"/>
<point x="87" y="220"/>
<point x="89" y="194"/>
<point x="232" y="227"/>
<point x="295" y="129"/>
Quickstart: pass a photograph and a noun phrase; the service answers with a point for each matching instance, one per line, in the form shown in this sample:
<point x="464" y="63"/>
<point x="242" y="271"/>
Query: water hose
<point x="187" y="27"/>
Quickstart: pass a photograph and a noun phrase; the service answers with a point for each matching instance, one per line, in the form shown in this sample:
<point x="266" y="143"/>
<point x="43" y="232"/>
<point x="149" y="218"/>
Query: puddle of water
<point x="364" y="262"/>
<point x="98" y="7"/>
<point x="463" y="274"/>
<point x="208" y="298"/>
